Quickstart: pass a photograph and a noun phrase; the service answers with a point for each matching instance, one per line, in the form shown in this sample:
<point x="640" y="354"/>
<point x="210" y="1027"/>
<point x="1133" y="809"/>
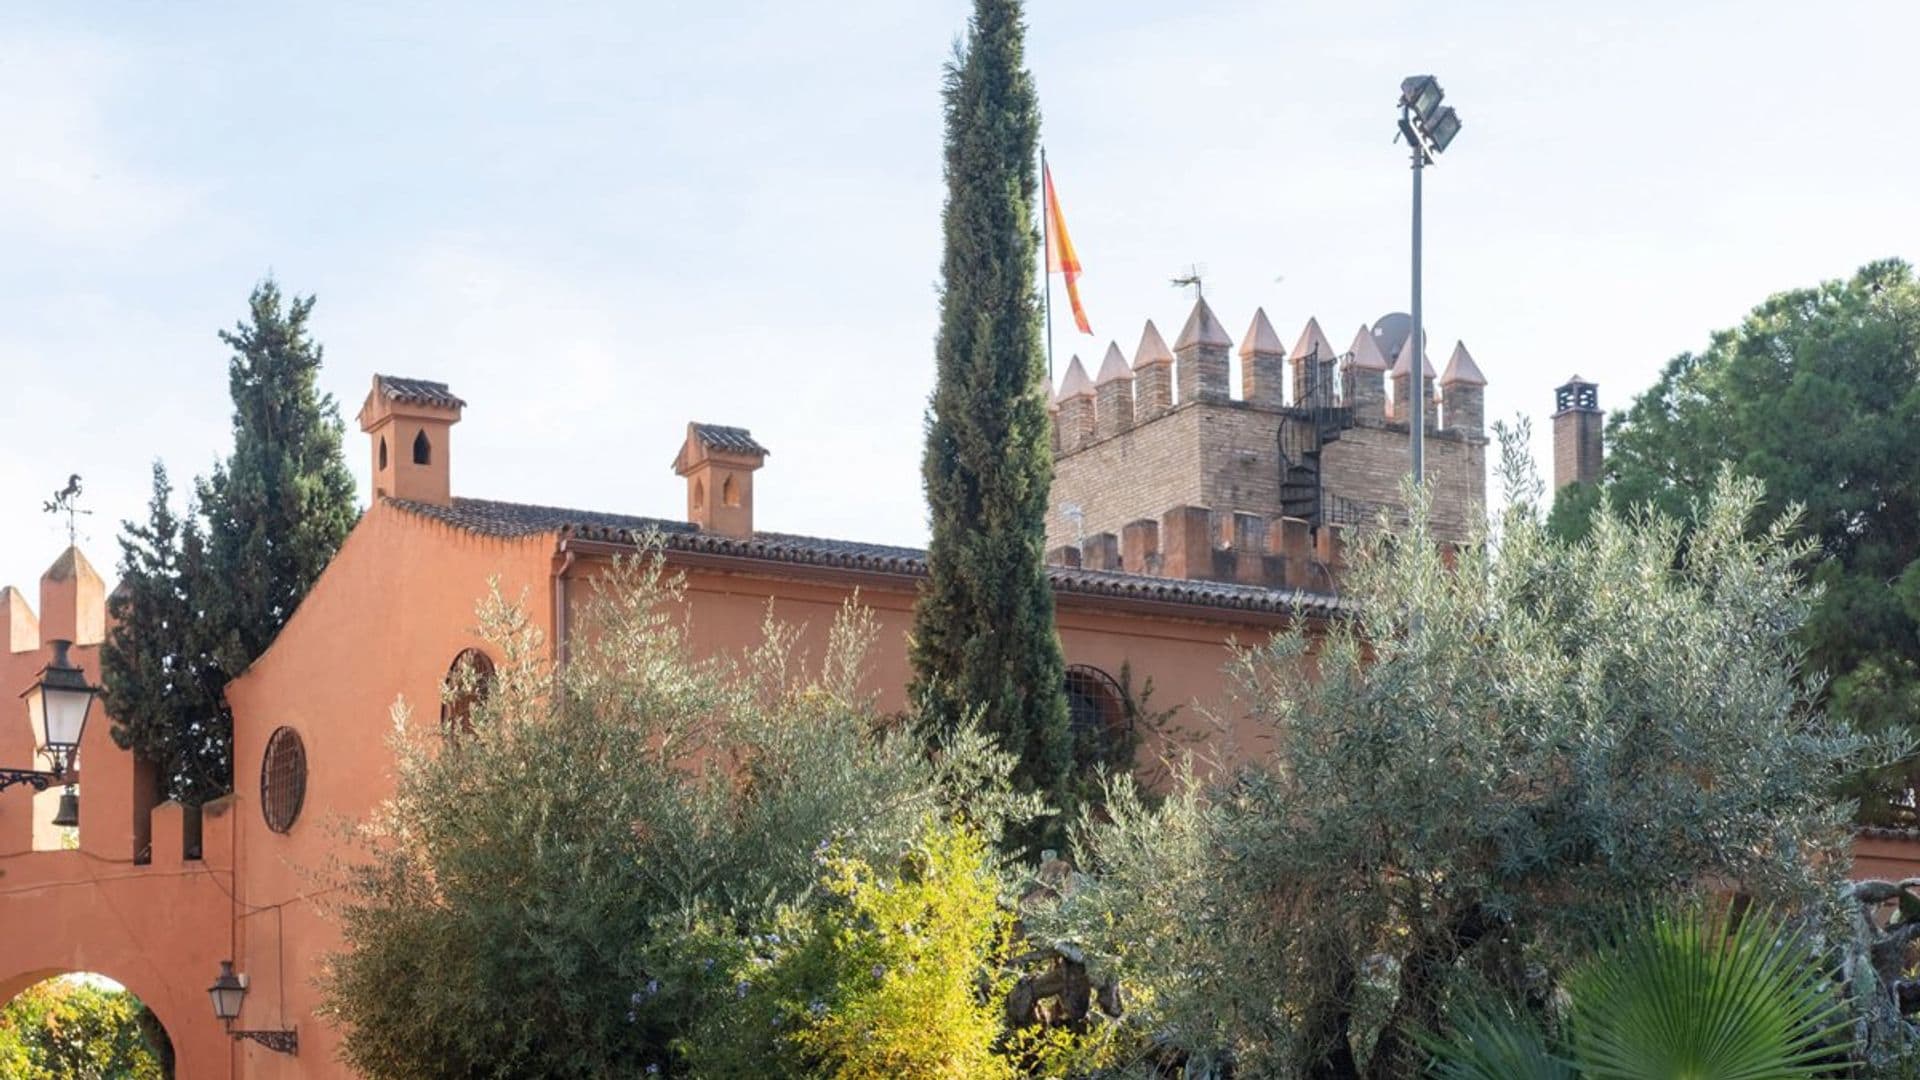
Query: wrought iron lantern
<point x="59" y="703"/>
<point x="228" y="992"/>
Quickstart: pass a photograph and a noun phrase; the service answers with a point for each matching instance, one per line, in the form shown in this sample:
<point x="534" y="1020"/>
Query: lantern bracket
<point x="280" y="1042"/>
<point x="39" y="781"/>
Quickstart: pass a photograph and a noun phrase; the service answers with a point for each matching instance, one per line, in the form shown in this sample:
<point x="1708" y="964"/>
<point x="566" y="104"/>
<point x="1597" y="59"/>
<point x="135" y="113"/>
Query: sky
<point x="603" y="220"/>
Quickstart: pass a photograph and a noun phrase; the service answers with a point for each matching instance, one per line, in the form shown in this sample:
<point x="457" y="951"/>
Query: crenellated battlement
<point x="1198" y="544"/>
<point x="1314" y="434"/>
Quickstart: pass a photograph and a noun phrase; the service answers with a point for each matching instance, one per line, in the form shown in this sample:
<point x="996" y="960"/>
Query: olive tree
<point x="521" y="905"/>
<point x="1501" y="746"/>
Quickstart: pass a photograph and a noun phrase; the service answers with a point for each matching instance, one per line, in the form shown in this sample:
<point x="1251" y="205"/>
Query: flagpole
<point x="1046" y="260"/>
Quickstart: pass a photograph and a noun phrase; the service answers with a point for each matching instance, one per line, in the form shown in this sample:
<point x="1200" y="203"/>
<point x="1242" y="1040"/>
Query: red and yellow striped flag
<point x="1061" y="258"/>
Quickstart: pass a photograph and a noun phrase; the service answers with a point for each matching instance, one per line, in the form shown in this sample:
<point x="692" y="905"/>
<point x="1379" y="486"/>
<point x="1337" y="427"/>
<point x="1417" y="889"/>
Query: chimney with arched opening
<point x="718" y="463"/>
<point x="408" y="422"/>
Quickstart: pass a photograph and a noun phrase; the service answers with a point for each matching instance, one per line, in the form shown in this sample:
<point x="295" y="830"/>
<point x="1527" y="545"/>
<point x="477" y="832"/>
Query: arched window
<point x="422" y="449"/>
<point x="700" y="494"/>
<point x="383" y="451"/>
<point x="283" y="779"/>
<point x="1095" y="706"/>
<point x="469" y="681"/>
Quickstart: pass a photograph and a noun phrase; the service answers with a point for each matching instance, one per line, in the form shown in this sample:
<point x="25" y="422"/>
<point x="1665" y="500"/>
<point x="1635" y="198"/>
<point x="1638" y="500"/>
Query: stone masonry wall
<point x="1225" y="456"/>
<point x="1369" y="462"/>
<point x="1139" y="473"/>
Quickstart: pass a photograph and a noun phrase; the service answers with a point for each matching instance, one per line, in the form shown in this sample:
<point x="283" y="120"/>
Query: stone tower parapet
<point x="1311" y="439"/>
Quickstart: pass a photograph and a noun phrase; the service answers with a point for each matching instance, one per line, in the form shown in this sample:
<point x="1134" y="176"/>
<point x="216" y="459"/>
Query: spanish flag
<point x="1061" y="258"/>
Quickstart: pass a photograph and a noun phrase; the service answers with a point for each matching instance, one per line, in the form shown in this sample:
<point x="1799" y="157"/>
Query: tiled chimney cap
<point x="727" y="440"/>
<point x="1203" y="328"/>
<point x="1313" y="342"/>
<point x="1366" y="352"/>
<point x="1076" y="383"/>
<point x="406" y="391"/>
<point x="1114" y="367"/>
<point x="1461" y="369"/>
<point x="1260" y="339"/>
<point x="1153" y="348"/>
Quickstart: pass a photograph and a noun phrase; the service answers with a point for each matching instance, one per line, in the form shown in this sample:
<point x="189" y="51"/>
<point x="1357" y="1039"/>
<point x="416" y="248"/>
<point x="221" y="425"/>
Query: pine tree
<point x="204" y="595"/>
<point x="984" y="636"/>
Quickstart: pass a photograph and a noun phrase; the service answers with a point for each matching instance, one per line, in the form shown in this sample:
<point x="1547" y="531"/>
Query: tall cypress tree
<point x="204" y="595"/>
<point x="280" y="507"/>
<point x="984" y="635"/>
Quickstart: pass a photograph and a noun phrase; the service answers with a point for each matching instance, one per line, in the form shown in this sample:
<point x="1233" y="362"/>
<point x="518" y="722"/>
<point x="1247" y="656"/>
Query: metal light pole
<point x="1428" y="129"/>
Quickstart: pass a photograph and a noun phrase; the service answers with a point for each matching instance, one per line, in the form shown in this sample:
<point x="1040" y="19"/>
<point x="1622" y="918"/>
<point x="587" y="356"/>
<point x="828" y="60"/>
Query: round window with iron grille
<point x="283" y="779"/>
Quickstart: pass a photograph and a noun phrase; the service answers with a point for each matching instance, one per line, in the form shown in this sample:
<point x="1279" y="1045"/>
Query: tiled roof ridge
<point x="506" y="519"/>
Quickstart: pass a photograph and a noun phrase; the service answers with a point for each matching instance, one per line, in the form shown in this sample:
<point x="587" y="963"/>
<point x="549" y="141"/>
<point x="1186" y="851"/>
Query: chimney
<point x="1076" y="408"/>
<point x="1577" y="421"/>
<point x="1463" y="391"/>
<point x="1313" y="360"/>
<point x="409" y="422"/>
<point x="1263" y="362"/>
<point x="1365" y="391"/>
<point x="1202" y="352"/>
<point x="1153" y="375"/>
<point x="719" y="463"/>
<point x="1113" y="394"/>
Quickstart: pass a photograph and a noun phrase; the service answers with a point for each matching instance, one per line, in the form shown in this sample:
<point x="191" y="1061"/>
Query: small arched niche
<point x="422" y="449"/>
<point x="729" y="491"/>
<point x="383" y="451"/>
<point x="469" y="681"/>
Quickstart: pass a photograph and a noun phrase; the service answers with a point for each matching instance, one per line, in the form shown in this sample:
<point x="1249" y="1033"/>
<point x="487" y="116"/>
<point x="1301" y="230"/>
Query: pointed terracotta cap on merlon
<point x="1403" y="365"/>
<point x="1461" y="370"/>
<point x="1260" y="339"/>
<point x="1313" y="343"/>
<point x="1114" y="367"/>
<point x="1203" y="329"/>
<point x="1076" y="383"/>
<point x="1153" y="348"/>
<point x="1366" y="355"/>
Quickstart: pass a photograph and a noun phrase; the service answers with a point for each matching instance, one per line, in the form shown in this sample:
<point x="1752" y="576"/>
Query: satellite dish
<point x="1391" y="331"/>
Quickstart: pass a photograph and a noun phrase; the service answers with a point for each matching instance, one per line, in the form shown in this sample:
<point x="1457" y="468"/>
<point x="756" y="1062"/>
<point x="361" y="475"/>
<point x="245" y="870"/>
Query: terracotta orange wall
<point x="384" y="623"/>
<point x="1184" y="656"/>
<point x="1885" y="856"/>
<point x="157" y="927"/>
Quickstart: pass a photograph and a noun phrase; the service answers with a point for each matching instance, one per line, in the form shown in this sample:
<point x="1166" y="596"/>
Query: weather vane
<point x="1192" y="277"/>
<point x="65" y="501"/>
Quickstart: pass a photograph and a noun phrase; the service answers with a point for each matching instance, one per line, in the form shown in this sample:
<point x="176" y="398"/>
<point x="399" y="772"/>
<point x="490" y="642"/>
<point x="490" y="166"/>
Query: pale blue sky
<point x="603" y="220"/>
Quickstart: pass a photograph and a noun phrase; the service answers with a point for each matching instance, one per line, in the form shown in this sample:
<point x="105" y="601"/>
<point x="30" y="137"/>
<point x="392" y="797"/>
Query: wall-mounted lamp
<point x="227" y="992"/>
<point x="60" y="701"/>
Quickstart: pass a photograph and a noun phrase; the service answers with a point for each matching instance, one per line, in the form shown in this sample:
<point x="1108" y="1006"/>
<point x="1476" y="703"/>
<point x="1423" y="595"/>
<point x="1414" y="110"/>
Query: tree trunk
<point x="1397" y="1055"/>
<point x="1328" y="1025"/>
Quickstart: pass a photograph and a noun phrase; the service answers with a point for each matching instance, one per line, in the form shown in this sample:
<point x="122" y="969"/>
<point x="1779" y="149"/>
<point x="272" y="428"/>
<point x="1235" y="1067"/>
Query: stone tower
<point x="1577" y="421"/>
<point x="1160" y="469"/>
